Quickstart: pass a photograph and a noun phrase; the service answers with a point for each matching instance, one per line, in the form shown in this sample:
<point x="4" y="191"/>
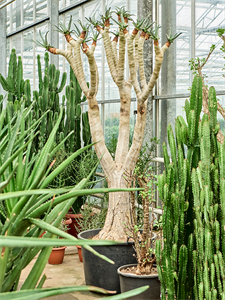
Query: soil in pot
<point x="130" y="281"/>
<point x="100" y="273"/>
<point x="56" y="256"/>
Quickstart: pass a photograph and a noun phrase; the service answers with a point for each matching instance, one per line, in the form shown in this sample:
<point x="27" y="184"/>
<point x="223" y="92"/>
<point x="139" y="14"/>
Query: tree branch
<point x="101" y="150"/>
<point x="108" y="52"/>
<point x="93" y="72"/>
<point x="158" y="63"/>
<point x="122" y="44"/>
<point x="115" y="54"/>
<point x="124" y="126"/>
<point x="78" y="65"/>
<point x="141" y="62"/>
<point x="132" y="65"/>
<point x="132" y="156"/>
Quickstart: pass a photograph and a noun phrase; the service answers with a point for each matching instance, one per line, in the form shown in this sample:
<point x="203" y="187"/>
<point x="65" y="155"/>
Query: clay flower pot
<point x="74" y="225"/>
<point x="68" y="222"/>
<point x="80" y="253"/>
<point x="56" y="256"/>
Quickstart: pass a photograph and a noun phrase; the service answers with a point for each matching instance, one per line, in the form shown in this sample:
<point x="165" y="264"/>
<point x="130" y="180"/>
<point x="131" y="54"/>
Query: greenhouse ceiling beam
<point x="68" y="8"/>
<point x="154" y="97"/>
<point x="210" y="1"/>
<point x="28" y="26"/>
<point x="6" y="3"/>
<point x="188" y="3"/>
<point x="3" y="45"/>
<point x="53" y="12"/>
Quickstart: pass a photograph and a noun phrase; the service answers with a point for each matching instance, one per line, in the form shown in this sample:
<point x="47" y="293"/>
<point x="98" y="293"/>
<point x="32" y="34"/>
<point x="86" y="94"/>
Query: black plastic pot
<point x="99" y="272"/>
<point x="130" y="281"/>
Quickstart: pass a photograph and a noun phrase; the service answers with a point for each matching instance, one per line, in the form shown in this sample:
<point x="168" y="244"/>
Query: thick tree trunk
<point x="119" y="212"/>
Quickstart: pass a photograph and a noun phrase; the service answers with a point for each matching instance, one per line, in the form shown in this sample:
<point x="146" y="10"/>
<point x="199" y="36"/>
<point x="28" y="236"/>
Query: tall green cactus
<point x="192" y="188"/>
<point x="14" y="84"/>
<point x="48" y="98"/>
<point x="74" y="116"/>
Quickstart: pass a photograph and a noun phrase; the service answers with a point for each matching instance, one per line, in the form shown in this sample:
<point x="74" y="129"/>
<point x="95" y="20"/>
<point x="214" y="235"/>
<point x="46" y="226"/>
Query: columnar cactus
<point x="14" y="84"/>
<point x="193" y="192"/>
<point x="47" y="98"/>
<point x="74" y="116"/>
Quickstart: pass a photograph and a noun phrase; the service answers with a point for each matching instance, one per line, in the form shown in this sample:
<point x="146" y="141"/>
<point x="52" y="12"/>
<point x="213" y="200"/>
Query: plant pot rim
<point x="74" y="216"/>
<point x="67" y="221"/>
<point x="119" y="243"/>
<point x="60" y="248"/>
<point x="134" y="275"/>
<point x="78" y="247"/>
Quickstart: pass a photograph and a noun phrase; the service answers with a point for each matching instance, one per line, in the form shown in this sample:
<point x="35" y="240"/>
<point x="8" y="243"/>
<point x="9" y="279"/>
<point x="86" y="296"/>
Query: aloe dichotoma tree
<point x="119" y="208"/>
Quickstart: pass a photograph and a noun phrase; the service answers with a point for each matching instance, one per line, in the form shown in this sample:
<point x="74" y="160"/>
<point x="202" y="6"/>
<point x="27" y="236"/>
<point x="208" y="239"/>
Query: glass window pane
<point x="41" y="9"/>
<point x="16" y="43"/>
<point x="183" y="46"/>
<point x="210" y="17"/>
<point x="39" y="51"/>
<point x="28" y="12"/>
<point x="28" y="59"/>
<point x="8" y="24"/>
<point x="16" y="15"/>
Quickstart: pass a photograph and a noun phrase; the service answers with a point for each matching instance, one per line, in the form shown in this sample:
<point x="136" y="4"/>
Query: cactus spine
<point x="193" y="191"/>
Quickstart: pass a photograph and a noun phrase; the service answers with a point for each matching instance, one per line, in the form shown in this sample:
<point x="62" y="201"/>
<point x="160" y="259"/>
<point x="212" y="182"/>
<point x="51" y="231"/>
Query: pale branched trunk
<point x="119" y="208"/>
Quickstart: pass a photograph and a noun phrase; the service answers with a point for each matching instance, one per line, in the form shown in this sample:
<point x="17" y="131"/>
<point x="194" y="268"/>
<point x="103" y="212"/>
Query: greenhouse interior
<point x="112" y="151"/>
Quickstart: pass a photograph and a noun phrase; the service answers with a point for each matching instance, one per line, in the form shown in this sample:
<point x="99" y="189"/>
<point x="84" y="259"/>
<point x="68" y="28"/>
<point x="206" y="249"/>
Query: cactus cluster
<point x="48" y="99"/>
<point x="14" y="84"/>
<point x="74" y="116"/>
<point x="192" y="188"/>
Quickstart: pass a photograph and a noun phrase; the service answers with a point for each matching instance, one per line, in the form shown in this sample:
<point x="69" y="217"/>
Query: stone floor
<point x="69" y="273"/>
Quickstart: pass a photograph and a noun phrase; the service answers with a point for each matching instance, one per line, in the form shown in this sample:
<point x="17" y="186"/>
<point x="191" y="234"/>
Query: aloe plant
<point x="25" y="198"/>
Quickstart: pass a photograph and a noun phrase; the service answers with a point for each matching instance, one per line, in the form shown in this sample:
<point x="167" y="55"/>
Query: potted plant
<point x="57" y="255"/>
<point x="83" y="166"/>
<point x="119" y="207"/>
<point x="192" y="187"/>
<point x="89" y="219"/>
<point x="126" y="157"/>
<point x="144" y="271"/>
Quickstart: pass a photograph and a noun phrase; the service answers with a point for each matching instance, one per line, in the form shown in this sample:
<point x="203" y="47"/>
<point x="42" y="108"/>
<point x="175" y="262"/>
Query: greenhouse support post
<point x="3" y="44"/>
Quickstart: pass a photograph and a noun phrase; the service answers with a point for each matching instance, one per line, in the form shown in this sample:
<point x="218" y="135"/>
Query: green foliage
<point x="75" y="171"/>
<point x="14" y="84"/>
<point x="24" y="200"/>
<point x="91" y="218"/>
<point x="68" y="136"/>
<point x="48" y="98"/>
<point x="220" y="31"/>
<point x="192" y="189"/>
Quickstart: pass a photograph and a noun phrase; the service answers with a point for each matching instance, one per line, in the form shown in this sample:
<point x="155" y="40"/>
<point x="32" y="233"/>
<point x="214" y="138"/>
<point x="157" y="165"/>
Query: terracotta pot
<point x="80" y="253"/>
<point x="74" y="226"/>
<point x="68" y="222"/>
<point x="56" y="256"/>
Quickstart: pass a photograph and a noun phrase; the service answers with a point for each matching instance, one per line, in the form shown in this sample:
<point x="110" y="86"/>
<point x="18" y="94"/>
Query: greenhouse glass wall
<point x="198" y="21"/>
